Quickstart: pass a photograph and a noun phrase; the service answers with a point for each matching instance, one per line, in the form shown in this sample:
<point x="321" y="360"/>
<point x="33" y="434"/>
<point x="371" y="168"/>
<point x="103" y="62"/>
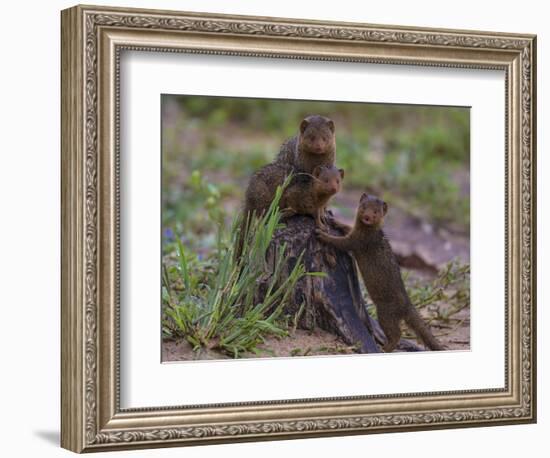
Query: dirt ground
<point x="305" y="343"/>
<point x="319" y="342"/>
<point x="299" y="343"/>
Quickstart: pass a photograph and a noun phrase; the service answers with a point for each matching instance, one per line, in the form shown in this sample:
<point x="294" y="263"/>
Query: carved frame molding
<point x="92" y="39"/>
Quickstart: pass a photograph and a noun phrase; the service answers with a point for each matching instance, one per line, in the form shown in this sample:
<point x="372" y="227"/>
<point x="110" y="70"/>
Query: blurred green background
<point x="415" y="157"/>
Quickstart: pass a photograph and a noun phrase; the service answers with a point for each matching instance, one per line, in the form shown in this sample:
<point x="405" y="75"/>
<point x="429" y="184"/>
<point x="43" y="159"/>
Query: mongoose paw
<point x="322" y="227"/>
<point x="321" y="235"/>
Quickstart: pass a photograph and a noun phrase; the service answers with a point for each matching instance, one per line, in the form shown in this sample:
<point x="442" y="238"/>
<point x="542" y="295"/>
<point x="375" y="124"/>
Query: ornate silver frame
<point x="92" y="39"/>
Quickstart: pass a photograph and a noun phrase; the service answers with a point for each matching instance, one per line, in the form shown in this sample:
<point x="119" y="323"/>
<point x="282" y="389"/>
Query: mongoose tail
<point x="416" y="323"/>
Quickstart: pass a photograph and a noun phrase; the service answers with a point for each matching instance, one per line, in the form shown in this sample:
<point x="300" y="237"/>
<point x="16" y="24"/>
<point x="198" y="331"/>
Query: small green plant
<point x="215" y="303"/>
<point x="443" y="297"/>
<point x="446" y="295"/>
<point x="197" y="215"/>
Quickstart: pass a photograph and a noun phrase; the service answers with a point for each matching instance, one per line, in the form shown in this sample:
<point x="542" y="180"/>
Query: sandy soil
<point x="299" y="343"/>
<point x="317" y="342"/>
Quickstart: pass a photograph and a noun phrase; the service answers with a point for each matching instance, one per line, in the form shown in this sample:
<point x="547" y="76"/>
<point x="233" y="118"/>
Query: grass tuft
<point x="214" y="303"/>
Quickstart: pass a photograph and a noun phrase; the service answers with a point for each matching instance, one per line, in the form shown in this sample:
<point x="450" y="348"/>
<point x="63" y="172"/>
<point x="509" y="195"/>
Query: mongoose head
<point x="328" y="180"/>
<point x="371" y="211"/>
<point x="317" y="135"/>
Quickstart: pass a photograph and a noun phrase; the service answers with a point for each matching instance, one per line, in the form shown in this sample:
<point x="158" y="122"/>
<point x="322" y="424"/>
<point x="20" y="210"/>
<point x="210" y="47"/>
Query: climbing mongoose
<point x="309" y="194"/>
<point x="380" y="271"/>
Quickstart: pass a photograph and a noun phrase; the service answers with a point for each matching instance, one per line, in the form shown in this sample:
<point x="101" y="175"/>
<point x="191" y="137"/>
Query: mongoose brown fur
<point x="381" y="273"/>
<point x="314" y="145"/>
<point x="262" y="187"/>
<point x="309" y="194"/>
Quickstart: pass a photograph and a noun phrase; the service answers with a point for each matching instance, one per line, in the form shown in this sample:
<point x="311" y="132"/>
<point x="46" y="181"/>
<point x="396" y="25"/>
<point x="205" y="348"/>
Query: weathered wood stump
<point x="332" y="302"/>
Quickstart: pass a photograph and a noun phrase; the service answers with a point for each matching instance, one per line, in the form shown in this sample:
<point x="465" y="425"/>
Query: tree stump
<point x="332" y="302"/>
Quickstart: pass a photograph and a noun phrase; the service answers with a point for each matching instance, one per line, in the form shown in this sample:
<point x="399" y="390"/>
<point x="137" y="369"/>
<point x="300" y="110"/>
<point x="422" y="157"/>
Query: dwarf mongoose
<point x="314" y="145"/>
<point x="381" y="273"/>
<point x="309" y="194"/>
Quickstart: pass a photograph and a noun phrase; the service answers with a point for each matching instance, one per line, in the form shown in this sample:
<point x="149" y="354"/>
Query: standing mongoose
<point x="380" y="271"/>
<point x="309" y="194"/>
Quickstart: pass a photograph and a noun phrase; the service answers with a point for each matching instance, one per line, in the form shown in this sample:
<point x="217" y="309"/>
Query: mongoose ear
<point x="317" y="171"/>
<point x="385" y="207"/>
<point x="341" y="173"/>
<point x="331" y="125"/>
<point x="303" y="125"/>
<point x="363" y="197"/>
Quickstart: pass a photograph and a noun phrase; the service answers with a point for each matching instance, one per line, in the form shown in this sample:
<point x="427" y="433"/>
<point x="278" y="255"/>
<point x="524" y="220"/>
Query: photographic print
<point x="295" y="238"/>
<point x="296" y="228"/>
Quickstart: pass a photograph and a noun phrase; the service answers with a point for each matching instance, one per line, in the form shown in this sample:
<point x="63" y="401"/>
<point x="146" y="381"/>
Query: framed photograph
<point x="279" y="228"/>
